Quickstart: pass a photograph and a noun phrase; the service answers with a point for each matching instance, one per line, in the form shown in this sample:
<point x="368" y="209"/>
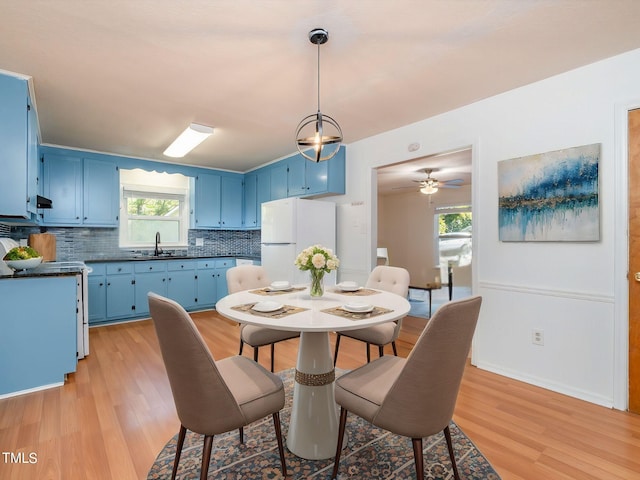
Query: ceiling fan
<point x="430" y="185"/>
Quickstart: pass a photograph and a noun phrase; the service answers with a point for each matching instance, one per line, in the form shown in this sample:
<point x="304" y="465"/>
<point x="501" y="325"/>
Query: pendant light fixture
<point x="318" y="136"/>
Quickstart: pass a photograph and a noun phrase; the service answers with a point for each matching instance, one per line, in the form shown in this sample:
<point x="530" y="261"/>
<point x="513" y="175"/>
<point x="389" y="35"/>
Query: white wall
<point x="565" y="289"/>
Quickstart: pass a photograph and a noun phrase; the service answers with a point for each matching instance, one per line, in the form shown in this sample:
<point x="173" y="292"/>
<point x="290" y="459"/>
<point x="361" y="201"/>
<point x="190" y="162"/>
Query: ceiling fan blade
<point x="448" y="186"/>
<point x="399" y="188"/>
<point x="455" y="180"/>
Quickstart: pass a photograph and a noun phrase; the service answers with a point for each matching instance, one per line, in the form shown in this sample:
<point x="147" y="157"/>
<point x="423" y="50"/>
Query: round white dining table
<point x="313" y="426"/>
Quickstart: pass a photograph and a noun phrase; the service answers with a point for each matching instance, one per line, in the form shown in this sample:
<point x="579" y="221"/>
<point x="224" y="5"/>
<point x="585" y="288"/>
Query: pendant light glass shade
<point x="318" y="136"/>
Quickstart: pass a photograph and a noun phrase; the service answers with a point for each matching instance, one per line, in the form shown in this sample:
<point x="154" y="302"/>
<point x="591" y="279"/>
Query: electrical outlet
<point x="537" y="337"/>
<point x="199" y="242"/>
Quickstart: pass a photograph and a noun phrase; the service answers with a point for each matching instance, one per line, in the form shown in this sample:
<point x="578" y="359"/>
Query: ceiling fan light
<point x="428" y="189"/>
<point x="193" y="136"/>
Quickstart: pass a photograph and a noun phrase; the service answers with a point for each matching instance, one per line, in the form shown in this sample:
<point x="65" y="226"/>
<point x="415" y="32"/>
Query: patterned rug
<point x="370" y="453"/>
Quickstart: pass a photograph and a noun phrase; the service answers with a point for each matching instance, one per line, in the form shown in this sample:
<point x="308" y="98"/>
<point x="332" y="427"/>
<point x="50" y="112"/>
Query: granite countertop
<point x="43" y="271"/>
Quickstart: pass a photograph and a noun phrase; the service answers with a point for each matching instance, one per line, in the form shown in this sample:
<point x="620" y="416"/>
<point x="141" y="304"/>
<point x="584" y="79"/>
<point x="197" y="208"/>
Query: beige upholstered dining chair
<point x="414" y="397"/>
<point x="390" y="279"/>
<point x="211" y="397"/>
<point x="245" y="277"/>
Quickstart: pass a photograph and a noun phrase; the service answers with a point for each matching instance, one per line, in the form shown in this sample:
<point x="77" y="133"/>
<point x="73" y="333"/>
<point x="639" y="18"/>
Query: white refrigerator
<point x="290" y="225"/>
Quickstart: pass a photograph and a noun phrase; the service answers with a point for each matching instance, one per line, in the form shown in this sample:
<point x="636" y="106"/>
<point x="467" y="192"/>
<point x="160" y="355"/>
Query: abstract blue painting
<point x="550" y="197"/>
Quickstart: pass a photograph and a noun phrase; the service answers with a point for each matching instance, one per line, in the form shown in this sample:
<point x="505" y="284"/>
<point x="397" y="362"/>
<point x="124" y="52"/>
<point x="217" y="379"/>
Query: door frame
<point x="621" y="254"/>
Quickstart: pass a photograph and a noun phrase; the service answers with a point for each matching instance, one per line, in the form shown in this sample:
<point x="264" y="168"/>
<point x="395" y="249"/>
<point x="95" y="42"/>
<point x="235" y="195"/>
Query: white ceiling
<point x="127" y="77"/>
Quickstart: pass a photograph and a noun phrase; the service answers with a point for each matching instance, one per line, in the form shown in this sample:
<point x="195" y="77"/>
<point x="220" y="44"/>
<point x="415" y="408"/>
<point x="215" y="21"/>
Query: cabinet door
<point x="33" y="164"/>
<point x="263" y="192"/>
<point x="120" y="296"/>
<point x="97" y="290"/>
<point x="250" y="200"/>
<point x="206" y="287"/>
<point x="63" y="186"/>
<point x="155" y="282"/>
<point x="278" y="181"/>
<point x="13" y="146"/>
<point x="207" y="207"/>
<point x="296" y="184"/>
<point x="181" y="287"/>
<point x="100" y="193"/>
<point x="231" y="202"/>
<point x="316" y="176"/>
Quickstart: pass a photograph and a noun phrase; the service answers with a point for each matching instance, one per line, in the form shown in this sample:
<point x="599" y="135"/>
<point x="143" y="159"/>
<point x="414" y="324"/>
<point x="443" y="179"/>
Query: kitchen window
<point x="153" y="203"/>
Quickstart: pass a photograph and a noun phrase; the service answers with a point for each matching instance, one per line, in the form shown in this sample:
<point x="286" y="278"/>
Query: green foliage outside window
<point x="154" y="207"/>
<point x="454" y="222"/>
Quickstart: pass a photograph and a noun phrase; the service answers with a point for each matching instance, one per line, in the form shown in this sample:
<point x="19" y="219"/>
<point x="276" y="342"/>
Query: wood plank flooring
<point x="114" y="415"/>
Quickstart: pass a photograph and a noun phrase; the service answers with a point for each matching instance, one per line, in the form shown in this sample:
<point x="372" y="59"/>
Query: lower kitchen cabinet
<point x="181" y="283"/>
<point x="38" y="344"/>
<point x="118" y="290"/>
<point x="97" y="289"/>
<point x="150" y="277"/>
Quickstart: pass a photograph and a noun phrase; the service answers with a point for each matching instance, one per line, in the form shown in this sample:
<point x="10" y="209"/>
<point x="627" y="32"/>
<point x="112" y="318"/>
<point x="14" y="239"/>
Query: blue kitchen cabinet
<point x="101" y="186"/>
<point x="97" y="290"/>
<point x="18" y="149"/>
<point x="278" y="180"/>
<point x="222" y="265"/>
<point x="62" y="176"/>
<point x="38" y="344"/>
<point x="120" y="290"/>
<point x="306" y="178"/>
<point x="231" y="202"/>
<point x="207" y="283"/>
<point x="207" y="201"/>
<point x="257" y="190"/>
<point x="83" y="191"/>
<point x="263" y="190"/>
<point x="150" y="276"/>
<point x="181" y="283"/>
<point x="250" y="200"/>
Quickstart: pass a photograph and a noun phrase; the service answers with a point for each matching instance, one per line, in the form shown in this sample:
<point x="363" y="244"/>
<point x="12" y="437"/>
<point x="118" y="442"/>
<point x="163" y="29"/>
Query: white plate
<point x="279" y="289"/>
<point x="348" y="287"/>
<point x="267" y="306"/>
<point x="280" y="285"/>
<point x="357" y="308"/>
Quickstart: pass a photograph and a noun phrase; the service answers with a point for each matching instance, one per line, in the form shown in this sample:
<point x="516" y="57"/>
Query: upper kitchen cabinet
<point x="310" y="179"/>
<point x="84" y="191"/>
<point x="207" y="201"/>
<point x="231" y="201"/>
<point x="257" y="189"/>
<point x="218" y="201"/>
<point x="18" y="149"/>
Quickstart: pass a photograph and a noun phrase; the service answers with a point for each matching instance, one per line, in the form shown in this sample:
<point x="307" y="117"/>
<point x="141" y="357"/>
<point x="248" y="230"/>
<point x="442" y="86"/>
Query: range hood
<point x="42" y="202"/>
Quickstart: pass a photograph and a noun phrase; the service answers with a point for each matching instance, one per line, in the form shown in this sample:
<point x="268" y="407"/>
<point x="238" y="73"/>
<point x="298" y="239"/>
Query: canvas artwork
<point x="550" y="197"/>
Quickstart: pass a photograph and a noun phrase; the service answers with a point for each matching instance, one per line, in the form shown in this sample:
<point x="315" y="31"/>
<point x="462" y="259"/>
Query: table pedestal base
<point x="313" y="428"/>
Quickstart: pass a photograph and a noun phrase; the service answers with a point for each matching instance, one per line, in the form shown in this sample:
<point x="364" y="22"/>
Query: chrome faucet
<point x="157" y="250"/>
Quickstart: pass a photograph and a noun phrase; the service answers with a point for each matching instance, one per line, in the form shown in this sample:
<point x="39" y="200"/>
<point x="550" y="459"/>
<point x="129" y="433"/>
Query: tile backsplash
<point x="79" y="243"/>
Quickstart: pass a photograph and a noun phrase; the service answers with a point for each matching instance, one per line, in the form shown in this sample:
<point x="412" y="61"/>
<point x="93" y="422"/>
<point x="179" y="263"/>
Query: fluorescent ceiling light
<point x="193" y="136"/>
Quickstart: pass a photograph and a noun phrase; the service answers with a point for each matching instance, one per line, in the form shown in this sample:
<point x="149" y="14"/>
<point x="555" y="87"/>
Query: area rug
<point x="370" y="453"/>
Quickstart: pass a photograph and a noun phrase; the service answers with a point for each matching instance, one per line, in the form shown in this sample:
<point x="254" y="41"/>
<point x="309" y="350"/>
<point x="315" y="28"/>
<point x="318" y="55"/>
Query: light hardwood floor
<point x="115" y="414"/>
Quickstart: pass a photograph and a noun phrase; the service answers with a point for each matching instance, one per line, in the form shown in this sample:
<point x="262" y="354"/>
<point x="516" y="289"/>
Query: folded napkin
<point x="280" y="313"/>
<point x="269" y="292"/>
<point x="341" y="312"/>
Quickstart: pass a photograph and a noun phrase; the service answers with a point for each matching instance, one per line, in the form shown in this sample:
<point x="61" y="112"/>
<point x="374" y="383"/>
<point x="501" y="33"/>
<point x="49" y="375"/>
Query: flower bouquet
<point x="318" y="260"/>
